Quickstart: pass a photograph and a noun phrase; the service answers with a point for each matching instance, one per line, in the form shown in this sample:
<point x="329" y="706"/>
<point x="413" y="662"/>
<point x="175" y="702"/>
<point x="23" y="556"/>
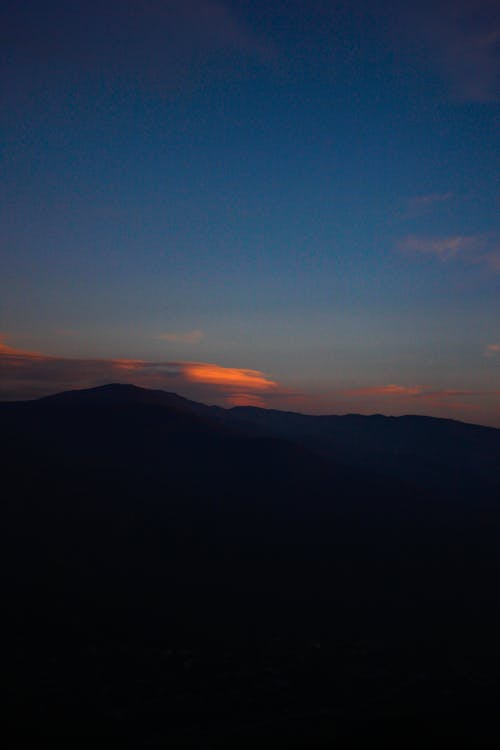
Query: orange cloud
<point x="492" y="350"/>
<point x="245" y="399"/>
<point x="25" y="374"/>
<point x="18" y="355"/>
<point x="232" y="377"/>
<point x="3" y="346"/>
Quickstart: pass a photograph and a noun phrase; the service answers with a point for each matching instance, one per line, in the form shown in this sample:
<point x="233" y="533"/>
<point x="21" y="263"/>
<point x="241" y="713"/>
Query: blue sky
<point x="306" y="190"/>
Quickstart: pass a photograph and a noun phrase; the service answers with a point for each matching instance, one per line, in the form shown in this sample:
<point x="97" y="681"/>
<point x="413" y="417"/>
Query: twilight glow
<point x="286" y="205"/>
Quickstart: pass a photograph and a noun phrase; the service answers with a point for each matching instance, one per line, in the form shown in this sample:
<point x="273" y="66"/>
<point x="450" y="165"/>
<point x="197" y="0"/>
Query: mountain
<point x="434" y="452"/>
<point x="122" y="394"/>
<point x="172" y="566"/>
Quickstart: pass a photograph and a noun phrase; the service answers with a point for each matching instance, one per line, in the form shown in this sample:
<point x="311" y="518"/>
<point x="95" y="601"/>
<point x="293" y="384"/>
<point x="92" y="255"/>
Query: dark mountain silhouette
<point x="425" y="449"/>
<point x="122" y="394"/>
<point x="178" y="572"/>
<point x="430" y="450"/>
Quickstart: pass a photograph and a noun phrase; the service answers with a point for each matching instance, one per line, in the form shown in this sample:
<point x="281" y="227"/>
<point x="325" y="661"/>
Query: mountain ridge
<point x="429" y="451"/>
<point x="117" y="392"/>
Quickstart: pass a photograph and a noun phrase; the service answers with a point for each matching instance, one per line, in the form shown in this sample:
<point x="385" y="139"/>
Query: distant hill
<point x="138" y="524"/>
<point x="434" y="452"/>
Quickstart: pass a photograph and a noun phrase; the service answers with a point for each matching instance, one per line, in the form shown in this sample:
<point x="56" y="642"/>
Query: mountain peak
<point x="119" y="394"/>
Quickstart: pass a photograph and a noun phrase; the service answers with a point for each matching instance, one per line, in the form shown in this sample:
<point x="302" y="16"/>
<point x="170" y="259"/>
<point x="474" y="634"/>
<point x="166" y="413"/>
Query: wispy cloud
<point x="492" y="258"/>
<point x="415" y="391"/>
<point x="27" y="374"/>
<point x="220" y="25"/>
<point x="157" y="44"/>
<point x="492" y="350"/>
<point x="462" y="38"/>
<point x="422" y="203"/>
<point x="386" y="390"/>
<point x="444" y="248"/>
<point x="483" y="249"/>
<point x="190" y="337"/>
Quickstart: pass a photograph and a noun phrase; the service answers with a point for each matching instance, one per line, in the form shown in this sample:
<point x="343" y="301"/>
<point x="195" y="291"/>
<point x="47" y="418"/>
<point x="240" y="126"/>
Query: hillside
<point x="144" y="531"/>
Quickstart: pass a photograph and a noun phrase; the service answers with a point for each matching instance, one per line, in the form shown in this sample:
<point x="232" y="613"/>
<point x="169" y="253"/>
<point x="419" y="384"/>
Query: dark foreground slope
<point x="179" y="572"/>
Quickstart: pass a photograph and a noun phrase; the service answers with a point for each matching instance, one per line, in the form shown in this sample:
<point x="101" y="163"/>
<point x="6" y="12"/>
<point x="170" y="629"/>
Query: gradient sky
<point x="291" y="204"/>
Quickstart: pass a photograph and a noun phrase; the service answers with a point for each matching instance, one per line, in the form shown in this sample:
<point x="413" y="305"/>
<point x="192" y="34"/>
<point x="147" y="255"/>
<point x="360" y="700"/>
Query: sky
<point x="286" y="204"/>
